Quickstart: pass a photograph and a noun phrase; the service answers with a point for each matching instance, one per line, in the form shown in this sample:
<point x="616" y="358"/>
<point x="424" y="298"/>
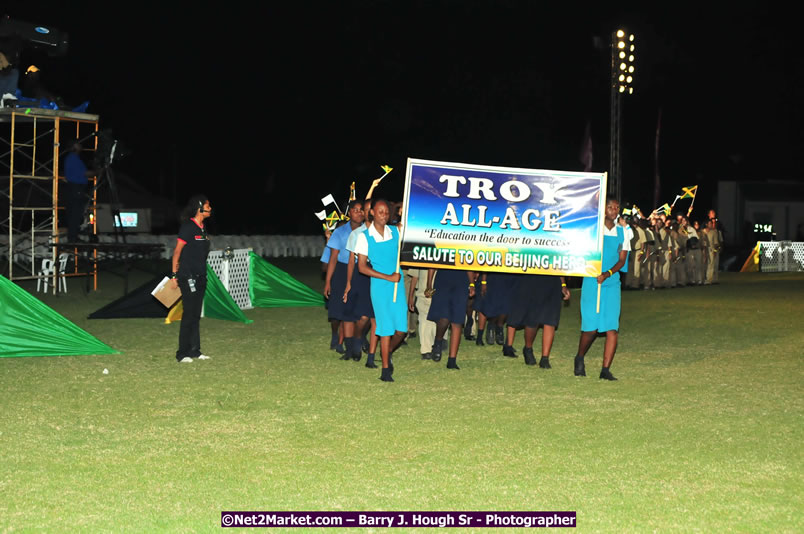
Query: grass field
<point x="703" y="431"/>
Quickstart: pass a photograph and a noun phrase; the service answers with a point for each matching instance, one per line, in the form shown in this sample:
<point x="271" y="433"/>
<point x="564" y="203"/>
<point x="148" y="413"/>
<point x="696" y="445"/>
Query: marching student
<point x="450" y="293"/>
<point x="380" y="246"/>
<point x="358" y="288"/>
<point x="607" y="285"/>
<point x="335" y="284"/>
<point x="537" y="303"/>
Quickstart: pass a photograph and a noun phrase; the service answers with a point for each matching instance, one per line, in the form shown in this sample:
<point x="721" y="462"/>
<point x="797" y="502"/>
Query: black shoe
<point x="530" y="359"/>
<point x="479" y="341"/>
<point x="467" y="329"/>
<point x="499" y="335"/>
<point x="427" y="356"/>
<point x="490" y="335"/>
<point x="339" y="348"/>
<point x="452" y="364"/>
<point x="605" y="374"/>
<point x="411" y="335"/>
<point x="544" y="363"/>
<point x="346" y="356"/>
<point x="366" y="345"/>
<point x="580" y="368"/>
<point x="370" y="362"/>
<point x="357" y="355"/>
<point x="509" y="351"/>
<point x="385" y="376"/>
<point x="435" y="355"/>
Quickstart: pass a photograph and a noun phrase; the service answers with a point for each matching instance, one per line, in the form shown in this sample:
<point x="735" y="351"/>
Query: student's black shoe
<point x="452" y="364"/>
<point x="490" y="335"/>
<point x="509" y="351"/>
<point x="411" y="335"/>
<point x="427" y="356"/>
<point x="366" y="345"/>
<point x="479" y="341"/>
<point x="499" y="335"/>
<point x="339" y="348"/>
<point x="580" y="368"/>
<point x="346" y="356"/>
<point x="605" y="374"/>
<point x="435" y="355"/>
<point x="530" y="359"/>
<point x="356" y="356"/>
<point x="470" y="337"/>
<point x="370" y="362"/>
<point x="467" y="330"/>
<point x="544" y="363"/>
<point x="385" y="376"/>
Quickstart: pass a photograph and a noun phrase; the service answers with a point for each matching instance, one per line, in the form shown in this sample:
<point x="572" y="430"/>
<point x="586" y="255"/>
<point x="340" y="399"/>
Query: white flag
<point x="322" y="215"/>
<point x="327" y="200"/>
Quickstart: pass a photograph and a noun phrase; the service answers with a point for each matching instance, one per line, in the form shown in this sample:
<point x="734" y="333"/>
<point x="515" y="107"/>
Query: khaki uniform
<point x="715" y="244"/>
<point x="680" y="261"/>
<point x="706" y="246"/>
<point x="694" y="259"/>
<point x="648" y="260"/>
<point x="426" y="329"/>
<point x="635" y="261"/>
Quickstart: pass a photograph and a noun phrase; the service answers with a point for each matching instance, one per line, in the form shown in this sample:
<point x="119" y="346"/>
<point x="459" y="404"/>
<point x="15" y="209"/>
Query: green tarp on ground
<point x="218" y="303"/>
<point x="271" y="287"/>
<point x="28" y="327"/>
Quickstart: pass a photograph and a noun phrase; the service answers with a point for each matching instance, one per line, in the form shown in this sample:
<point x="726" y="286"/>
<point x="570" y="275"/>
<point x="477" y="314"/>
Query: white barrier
<point x="781" y="256"/>
<point x="234" y="274"/>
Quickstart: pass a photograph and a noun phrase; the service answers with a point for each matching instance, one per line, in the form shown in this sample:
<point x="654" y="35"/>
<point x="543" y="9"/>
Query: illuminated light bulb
<point x="630" y="90"/>
<point x="628" y="80"/>
<point x="630" y="58"/>
<point x="622" y="77"/>
<point x="620" y="34"/>
<point x="622" y="55"/>
<point x="631" y="37"/>
<point x="632" y="48"/>
<point x="620" y="44"/>
<point x="631" y="69"/>
<point x="622" y="66"/>
<point x="622" y="89"/>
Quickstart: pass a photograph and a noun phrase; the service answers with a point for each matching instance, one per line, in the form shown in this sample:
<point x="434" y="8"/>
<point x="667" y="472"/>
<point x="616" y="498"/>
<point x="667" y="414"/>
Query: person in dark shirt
<point x="76" y="175"/>
<point x="190" y="275"/>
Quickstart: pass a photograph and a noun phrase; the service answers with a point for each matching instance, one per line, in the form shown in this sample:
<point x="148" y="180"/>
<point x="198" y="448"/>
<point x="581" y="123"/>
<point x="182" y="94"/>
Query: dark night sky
<point x="268" y="109"/>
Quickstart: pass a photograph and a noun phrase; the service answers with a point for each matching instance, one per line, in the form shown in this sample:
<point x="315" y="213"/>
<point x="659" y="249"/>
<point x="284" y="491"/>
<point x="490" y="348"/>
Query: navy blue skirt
<point x="536" y="300"/>
<point x="450" y="297"/>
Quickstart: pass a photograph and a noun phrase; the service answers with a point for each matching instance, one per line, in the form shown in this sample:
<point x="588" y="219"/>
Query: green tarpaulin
<point x="272" y="287"/>
<point x="218" y="303"/>
<point x="30" y="328"/>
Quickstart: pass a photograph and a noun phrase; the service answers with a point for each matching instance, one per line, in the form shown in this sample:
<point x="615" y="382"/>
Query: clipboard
<point x="166" y="294"/>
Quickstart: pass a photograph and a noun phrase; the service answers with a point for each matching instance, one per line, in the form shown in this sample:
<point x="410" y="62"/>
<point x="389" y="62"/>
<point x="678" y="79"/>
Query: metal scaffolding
<point x="32" y="143"/>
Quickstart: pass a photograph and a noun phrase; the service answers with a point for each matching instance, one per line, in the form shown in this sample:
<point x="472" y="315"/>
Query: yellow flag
<point x="689" y="192"/>
<point x="175" y="313"/>
<point x="352" y="195"/>
<point x="386" y="168"/>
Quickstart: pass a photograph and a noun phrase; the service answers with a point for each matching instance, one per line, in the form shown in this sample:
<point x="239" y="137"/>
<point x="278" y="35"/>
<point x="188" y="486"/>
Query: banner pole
<point x="597" y="310"/>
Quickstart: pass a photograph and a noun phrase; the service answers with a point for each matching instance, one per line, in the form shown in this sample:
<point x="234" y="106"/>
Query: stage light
<point x="630" y="58"/>
<point x="622" y="89"/>
<point x="631" y="37"/>
<point x="620" y="34"/>
<point x="623" y="66"/>
<point x="629" y="79"/>
<point x="631" y="69"/>
<point x="622" y="77"/>
<point x="622" y="55"/>
<point x="630" y="90"/>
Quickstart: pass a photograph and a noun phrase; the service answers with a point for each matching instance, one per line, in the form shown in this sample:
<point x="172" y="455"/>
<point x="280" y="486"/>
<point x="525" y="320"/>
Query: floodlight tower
<point x="622" y="80"/>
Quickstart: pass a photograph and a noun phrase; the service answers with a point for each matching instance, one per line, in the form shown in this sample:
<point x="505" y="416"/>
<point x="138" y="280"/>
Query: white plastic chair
<point x="44" y="274"/>
<point x="63" y="258"/>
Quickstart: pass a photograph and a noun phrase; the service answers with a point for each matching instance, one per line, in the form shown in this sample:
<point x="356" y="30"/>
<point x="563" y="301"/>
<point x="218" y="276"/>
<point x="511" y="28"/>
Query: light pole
<point x="622" y="79"/>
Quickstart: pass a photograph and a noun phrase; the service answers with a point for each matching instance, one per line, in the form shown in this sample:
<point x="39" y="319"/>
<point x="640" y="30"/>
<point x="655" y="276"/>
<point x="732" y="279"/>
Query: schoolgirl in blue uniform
<point x="615" y="258"/>
<point x="380" y="246"/>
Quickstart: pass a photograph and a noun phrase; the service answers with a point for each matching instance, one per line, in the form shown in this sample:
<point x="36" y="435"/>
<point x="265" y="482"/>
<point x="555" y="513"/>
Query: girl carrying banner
<point x="606" y="319"/>
<point x="380" y="246"/>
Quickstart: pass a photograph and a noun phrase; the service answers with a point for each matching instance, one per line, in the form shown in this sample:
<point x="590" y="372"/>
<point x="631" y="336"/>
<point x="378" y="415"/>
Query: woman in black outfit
<point x="190" y="275"/>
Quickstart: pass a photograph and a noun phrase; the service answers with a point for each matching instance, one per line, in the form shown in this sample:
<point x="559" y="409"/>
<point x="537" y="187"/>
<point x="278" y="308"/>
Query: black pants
<point x="75" y="203"/>
<point x="190" y="331"/>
